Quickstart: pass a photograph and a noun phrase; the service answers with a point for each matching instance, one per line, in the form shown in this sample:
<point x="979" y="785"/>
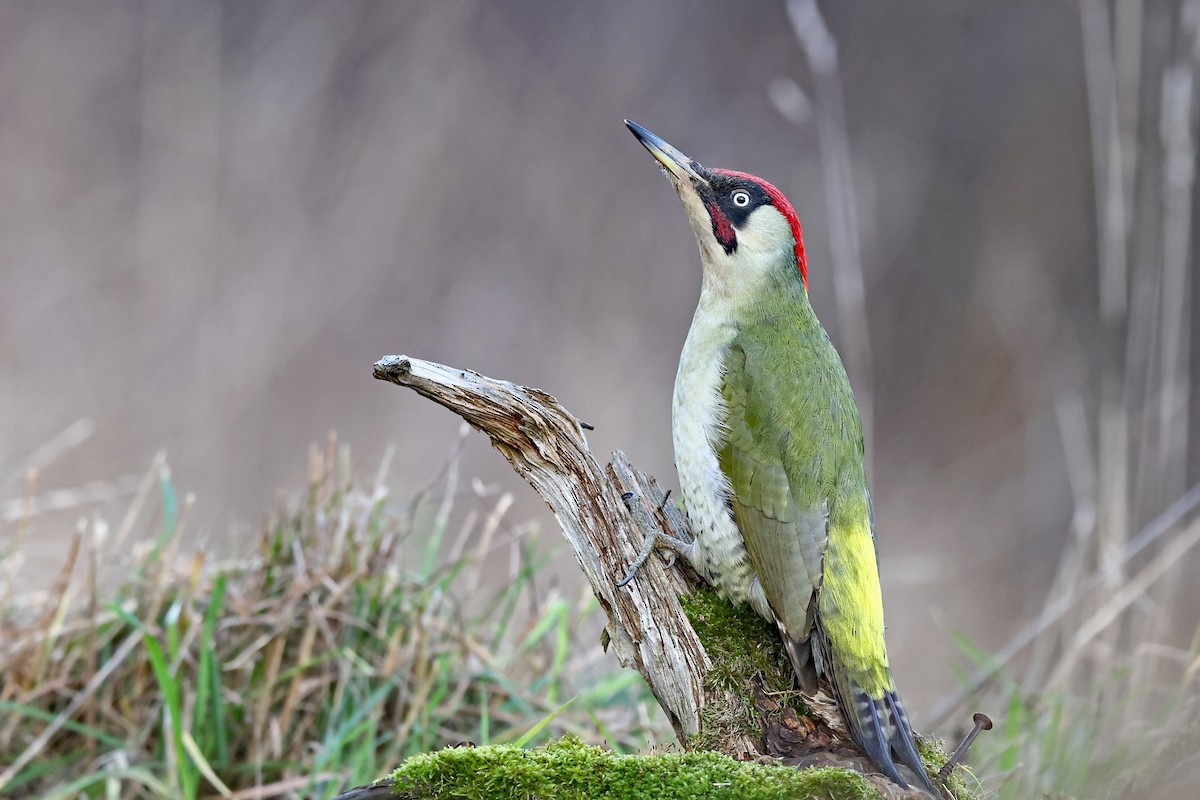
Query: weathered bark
<point x="545" y="444"/>
<point x="647" y="628"/>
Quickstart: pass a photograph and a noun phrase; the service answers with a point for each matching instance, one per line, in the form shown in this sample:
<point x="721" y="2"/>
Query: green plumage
<point x="793" y="454"/>
<point x="769" y="449"/>
<point x="790" y="440"/>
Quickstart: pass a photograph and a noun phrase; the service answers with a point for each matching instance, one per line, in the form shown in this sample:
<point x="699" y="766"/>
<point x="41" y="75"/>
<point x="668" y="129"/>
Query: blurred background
<point x="216" y="216"/>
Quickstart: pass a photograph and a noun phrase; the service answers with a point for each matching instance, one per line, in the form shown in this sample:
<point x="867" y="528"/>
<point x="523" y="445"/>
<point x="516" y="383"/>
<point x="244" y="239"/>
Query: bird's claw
<point x="647" y="548"/>
<point x="655" y="538"/>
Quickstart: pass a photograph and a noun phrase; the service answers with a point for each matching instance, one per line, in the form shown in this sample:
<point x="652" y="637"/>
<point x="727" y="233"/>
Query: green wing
<point x="793" y="456"/>
<point x="783" y="525"/>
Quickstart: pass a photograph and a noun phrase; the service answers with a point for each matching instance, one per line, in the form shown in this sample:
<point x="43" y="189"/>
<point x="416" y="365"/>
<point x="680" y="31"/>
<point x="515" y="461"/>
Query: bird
<point x="769" y="450"/>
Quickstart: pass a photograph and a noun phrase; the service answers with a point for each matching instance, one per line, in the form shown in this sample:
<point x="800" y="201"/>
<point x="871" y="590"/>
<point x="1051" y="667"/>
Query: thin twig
<point x="1054" y="611"/>
<point x="1124" y="597"/>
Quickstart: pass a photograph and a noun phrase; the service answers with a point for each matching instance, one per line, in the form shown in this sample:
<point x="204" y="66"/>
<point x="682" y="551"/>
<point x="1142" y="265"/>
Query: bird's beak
<point x="682" y="168"/>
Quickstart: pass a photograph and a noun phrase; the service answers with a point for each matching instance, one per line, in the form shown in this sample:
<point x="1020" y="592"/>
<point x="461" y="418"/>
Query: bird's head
<point x="746" y="228"/>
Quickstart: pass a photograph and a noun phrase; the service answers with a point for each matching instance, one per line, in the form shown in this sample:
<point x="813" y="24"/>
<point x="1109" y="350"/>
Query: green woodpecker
<point x="769" y="449"/>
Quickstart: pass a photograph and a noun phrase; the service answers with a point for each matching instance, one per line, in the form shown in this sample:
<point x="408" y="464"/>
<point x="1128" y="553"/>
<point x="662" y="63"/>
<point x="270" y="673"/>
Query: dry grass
<point x="1099" y="691"/>
<point x="357" y="635"/>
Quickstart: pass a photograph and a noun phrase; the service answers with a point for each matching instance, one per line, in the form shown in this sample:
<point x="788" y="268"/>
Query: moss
<point x="741" y="645"/>
<point x="568" y="769"/>
<point x="963" y="784"/>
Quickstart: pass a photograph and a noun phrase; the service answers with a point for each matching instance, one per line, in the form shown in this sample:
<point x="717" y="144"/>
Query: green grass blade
<point x="542" y="723"/>
<point x="33" y="712"/>
<point x="172" y="705"/>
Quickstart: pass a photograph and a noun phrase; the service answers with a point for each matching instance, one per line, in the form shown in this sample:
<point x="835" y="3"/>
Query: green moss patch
<point x="739" y="642"/>
<point x="568" y="769"/>
<point x="741" y="645"/>
<point x="962" y="783"/>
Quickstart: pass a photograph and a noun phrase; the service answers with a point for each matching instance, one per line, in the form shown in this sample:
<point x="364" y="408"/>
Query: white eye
<point x="741" y="198"/>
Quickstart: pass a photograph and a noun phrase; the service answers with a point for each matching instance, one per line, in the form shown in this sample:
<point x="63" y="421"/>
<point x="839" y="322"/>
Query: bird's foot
<point x="655" y="538"/>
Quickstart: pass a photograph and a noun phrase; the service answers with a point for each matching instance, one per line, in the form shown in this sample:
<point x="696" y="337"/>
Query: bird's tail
<point x="877" y="721"/>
